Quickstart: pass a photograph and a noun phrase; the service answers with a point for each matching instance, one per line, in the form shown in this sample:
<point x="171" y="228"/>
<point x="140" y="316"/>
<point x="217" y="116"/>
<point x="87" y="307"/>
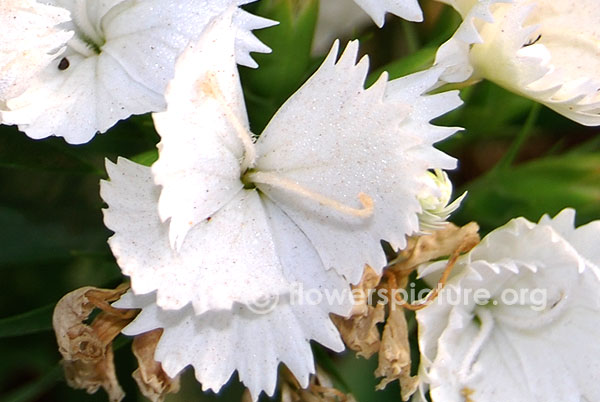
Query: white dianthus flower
<point x="221" y="222"/>
<point x="546" y="50"/>
<point x="342" y="162"/>
<point x="30" y="40"/>
<point x="118" y="63"/>
<point x="519" y="319"/>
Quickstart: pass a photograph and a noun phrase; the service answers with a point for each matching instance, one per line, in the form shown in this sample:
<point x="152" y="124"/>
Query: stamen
<point x="487" y="324"/>
<point x="210" y="87"/>
<point x="277" y="181"/>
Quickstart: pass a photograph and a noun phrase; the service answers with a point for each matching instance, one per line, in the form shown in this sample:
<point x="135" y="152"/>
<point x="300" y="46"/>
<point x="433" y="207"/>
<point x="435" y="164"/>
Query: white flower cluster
<point x="222" y="223"/>
<point x="226" y="222"/>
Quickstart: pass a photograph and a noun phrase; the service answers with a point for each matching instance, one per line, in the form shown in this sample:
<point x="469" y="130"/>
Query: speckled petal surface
<point x="347" y="141"/>
<point x="30" y="40"/>
<point x="199" y="159"/>
<point x="229" y="258"/>
<point x="253" y="339"/>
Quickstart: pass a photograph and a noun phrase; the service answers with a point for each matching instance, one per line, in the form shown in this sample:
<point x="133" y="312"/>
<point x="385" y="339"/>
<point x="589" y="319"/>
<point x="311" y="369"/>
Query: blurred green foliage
<point x="53" y="240"/>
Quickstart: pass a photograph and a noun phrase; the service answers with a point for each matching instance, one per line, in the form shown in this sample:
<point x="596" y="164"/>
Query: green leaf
<point x="283" y="71"/>
<point x="417" y="61"/>
<point x="544" y="186"/>
<point x="17" y="151"/>
<point x="146" y="158"/>
<point x="489" y="110"/>
<point x="38" y="320"/>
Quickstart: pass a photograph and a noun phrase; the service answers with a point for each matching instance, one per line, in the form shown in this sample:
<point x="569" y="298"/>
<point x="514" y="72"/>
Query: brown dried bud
<point x="441" y="243"/>
<point x="87" y="349"/>
<point x="394" y="354"/>
<point x="152" y="381"/>
<point x="359" y="331"/>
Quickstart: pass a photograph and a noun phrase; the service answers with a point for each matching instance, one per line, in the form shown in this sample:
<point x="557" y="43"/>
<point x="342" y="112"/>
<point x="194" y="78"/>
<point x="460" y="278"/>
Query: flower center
<point x="88" y="41"/>
<point x="250" y="177"/>
<point x="247" y="180"/>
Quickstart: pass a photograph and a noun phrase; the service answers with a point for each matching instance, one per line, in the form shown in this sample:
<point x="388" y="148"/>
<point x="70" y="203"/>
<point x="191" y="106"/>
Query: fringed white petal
<point x="253" y="339"/>
<point x="453" y="56"/>
<point x="338" y="139"/>
<point x="231" y="257"/>
<point x="198" y="166"/>
<point x="548" y="52"/>
<point x="337" y="19"/>
<point x="407" y="9"/>
<point x="218" y="343"/>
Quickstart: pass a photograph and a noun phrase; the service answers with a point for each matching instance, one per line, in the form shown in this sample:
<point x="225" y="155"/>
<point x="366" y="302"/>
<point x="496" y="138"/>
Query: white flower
<point x="435" y="201"/>
<point x="223" y="223"/>
<point x="30" y="40"/>
<point x="343" y="163"/>
<point x="519" y="320"/>
<point x="254" y="338"/>
<point x="546" y="50"/>
<point x="118" y="63"/>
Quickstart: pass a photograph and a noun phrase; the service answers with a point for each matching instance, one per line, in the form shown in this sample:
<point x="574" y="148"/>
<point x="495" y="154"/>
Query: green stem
<point x="512" y="153"/>
<point x="411" y="37"/>
<point x="31" y="322"/>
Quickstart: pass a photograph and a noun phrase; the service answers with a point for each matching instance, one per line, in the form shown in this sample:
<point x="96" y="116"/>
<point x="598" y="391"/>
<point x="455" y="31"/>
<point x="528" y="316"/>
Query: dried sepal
<point x="152" y="381"/>
<point x="359" y="331"/>
<point x="80" y="374"/>
<point x="368" y="283"/>
<point x="394" y="354"/>
<point x="443" y="242"/>
<point x="375" y="292"/>
<point x="87" y="348"/>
